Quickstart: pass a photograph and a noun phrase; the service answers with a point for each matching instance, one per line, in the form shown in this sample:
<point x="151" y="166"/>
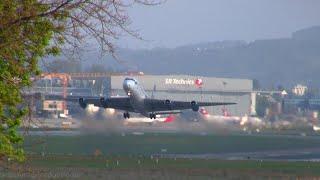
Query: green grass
<point x="153" y="143"/>
<point x="135" y="162"/>
<point x="73" y="156"/>
<point x="136" y="167"/>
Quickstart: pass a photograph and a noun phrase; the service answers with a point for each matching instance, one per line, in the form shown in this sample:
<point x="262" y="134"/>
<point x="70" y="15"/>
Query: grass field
<point x="133" y="157"/>
<point x="173" y="143"/>
<point x="156" y="168"/>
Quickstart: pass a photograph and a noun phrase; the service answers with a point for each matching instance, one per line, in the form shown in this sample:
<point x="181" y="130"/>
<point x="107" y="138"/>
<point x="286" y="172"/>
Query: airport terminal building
<point x="188" y="88"/>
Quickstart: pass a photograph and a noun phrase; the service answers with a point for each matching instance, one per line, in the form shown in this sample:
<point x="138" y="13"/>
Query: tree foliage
<point x="31" y="29"/>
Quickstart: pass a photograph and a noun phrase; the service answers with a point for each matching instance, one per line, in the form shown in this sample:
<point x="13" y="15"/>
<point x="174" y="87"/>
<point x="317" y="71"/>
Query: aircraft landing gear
<point x="126" y="115"/>
<point x="152" y="116"/>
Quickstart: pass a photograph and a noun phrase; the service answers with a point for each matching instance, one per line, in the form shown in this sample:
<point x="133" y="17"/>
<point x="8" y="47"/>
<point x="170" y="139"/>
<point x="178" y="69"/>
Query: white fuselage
<point x="136" y="94"/>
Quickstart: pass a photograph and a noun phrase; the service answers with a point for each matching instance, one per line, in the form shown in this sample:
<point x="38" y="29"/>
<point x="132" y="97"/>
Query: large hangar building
<point x="188" y="88"/>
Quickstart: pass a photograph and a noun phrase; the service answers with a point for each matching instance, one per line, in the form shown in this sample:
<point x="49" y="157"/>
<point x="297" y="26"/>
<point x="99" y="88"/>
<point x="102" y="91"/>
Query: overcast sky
<point x="181" y="22"/>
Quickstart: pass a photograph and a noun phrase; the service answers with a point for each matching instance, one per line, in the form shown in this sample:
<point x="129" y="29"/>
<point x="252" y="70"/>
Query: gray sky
<point x="180" y="22"/>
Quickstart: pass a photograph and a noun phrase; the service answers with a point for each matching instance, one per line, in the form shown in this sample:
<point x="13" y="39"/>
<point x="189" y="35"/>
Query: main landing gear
<point x="126" y="115"/>
<point x="152" y="116"/>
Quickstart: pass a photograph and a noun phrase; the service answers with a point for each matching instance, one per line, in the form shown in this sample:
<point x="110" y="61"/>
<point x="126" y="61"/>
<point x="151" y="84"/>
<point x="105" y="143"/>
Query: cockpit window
<point x="131" y="79"/>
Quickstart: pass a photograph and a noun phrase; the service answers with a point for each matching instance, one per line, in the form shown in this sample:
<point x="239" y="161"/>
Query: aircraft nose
<point x="127" y="84"/>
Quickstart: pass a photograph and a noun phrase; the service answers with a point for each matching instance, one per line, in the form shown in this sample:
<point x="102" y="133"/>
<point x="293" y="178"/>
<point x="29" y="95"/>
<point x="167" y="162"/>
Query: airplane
<point x="137" y="101"/>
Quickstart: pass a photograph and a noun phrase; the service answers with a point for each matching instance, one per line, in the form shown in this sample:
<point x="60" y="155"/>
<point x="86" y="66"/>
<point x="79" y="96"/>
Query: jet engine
<point x="82" y="103"/>
<point x="194" y="106"/>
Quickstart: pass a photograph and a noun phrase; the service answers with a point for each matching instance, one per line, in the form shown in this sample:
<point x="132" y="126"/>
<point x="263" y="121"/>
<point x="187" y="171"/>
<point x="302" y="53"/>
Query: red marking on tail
<point x="169" y="119"/>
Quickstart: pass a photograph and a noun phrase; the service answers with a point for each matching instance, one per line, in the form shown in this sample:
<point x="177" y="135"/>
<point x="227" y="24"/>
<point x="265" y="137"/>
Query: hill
<point x="273" y="62"/>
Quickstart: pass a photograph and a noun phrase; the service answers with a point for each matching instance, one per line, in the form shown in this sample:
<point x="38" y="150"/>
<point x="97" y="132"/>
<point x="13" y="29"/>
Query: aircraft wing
<point x="121" y="103"/>
<point x="95" y="100"/>
<point x="156" y="105"/>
